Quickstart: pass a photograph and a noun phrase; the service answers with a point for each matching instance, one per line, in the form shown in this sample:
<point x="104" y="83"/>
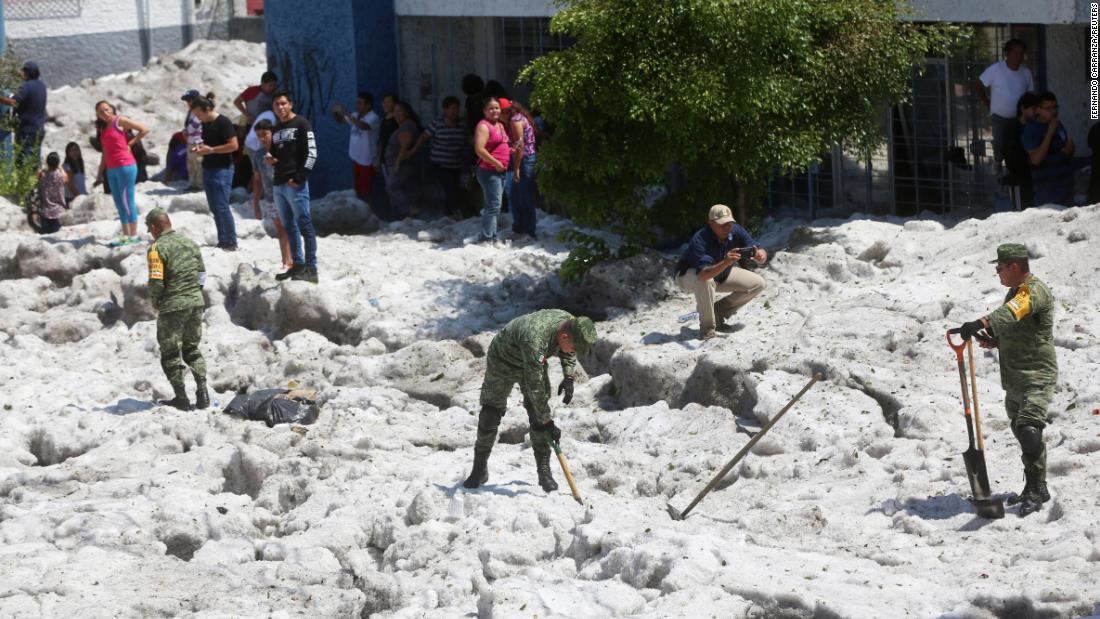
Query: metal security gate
<point x="938" y="155"/>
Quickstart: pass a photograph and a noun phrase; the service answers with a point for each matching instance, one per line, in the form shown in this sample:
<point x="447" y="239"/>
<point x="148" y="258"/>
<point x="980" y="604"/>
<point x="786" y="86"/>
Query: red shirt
<point x="250" y="93"/>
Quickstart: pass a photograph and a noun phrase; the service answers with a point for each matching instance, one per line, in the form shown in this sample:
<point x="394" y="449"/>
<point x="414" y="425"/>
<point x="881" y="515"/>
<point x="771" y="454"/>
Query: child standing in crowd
<point x="51" y="190"/>
<point x="262" y="133"/>
<point x="74" y="168"/>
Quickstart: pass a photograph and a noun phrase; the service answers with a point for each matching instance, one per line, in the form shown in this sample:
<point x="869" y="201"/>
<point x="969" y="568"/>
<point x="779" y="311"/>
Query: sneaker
<point x="120" y="241"/>
<point x="306" y="274"/>
<point x="228" y="247"/>
<point x="135" y="240"/>
<point x="289" y="273"/>
<point x="709" y="334"/>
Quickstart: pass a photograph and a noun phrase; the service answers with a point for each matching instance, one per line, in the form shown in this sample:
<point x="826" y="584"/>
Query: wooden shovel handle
<point x="974" y="396"/>
<point x="568" y="473"/>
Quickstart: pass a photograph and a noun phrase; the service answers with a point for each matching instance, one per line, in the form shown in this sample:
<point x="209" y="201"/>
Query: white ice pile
<point x="853" y="506"/>
<point x="151" y="96"/>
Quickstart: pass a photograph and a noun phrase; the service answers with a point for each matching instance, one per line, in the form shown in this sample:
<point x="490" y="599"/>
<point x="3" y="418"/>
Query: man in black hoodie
<point x="292" y="156"/>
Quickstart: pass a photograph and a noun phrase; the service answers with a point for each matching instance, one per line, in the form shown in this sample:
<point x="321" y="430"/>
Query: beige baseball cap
<point x="721" y="214"/>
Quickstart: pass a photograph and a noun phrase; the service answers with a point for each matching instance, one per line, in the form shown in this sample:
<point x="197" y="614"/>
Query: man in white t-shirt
<point x="363" y="146"/>
<point x="1009" y="80"/>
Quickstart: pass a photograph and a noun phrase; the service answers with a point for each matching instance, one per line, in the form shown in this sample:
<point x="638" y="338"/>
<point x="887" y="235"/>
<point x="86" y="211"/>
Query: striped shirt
<point x="448" y="143"/>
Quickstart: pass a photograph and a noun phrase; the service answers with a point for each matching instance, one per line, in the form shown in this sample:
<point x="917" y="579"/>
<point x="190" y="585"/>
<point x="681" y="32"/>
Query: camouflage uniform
<point x="176" y="272"/>
<point x="1029" y="367"/>
<point x="519" y="354"/>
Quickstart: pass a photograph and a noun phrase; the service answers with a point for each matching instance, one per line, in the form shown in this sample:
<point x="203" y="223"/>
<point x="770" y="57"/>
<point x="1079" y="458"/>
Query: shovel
<point x="678" y="515"/>
<point x="568" y="473"/>
<point x="974" y="458"/>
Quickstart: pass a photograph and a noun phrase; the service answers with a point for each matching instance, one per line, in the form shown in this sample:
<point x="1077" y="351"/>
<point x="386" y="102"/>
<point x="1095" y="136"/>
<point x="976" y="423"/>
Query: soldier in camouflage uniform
<point x="519" y="354"/>
<point x="1022" y="330"/>
<point x="176" y="277"/>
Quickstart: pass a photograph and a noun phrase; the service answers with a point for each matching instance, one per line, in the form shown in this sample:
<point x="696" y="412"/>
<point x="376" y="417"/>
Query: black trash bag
<point x="273" y="406"/>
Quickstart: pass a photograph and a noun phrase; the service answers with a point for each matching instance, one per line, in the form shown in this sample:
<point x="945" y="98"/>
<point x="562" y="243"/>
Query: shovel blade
<point x="989" y="508"/>
<point x="672" y="511"/>
<point x="976" y="473"/>
<point x="984" y="505"/>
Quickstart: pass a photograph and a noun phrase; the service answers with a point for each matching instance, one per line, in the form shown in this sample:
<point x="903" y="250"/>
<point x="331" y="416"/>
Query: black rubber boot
<point x="480" y="472"/>
<point x="542" y="466"/>
<point x="1031" y="501"/>
<point x="1018" y="498"/>
<point x="1043" y="494"/>
<point x="202" y="396"/>
<point x="180" y="401"/>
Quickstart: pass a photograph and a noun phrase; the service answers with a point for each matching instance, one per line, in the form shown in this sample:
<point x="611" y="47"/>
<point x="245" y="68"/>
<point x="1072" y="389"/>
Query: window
<point x="521" y="40"/>
<point x="41" y="9"/>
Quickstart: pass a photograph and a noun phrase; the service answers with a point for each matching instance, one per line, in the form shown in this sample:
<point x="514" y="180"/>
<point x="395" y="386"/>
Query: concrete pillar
<point x="324" y="53"/>
<point x="1067" y="63"/>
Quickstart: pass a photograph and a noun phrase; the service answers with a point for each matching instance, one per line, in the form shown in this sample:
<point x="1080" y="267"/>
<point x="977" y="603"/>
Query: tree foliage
<point x="732" y="91"/>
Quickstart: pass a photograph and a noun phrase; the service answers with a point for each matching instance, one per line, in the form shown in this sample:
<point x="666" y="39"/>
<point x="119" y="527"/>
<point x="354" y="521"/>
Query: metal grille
<point x="42" y="9"/>
<point x="522" y="39"/>
<point x="938" y="155"/>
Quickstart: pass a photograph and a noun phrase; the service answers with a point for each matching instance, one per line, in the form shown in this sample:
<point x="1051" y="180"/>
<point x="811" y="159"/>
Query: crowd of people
<point x="485" y="153"/>
<point x="494" y="145"/>
<point x="1029" y="139"/>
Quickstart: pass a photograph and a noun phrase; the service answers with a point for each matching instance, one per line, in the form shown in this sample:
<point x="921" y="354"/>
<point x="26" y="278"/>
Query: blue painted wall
<point x="324" y="53"/>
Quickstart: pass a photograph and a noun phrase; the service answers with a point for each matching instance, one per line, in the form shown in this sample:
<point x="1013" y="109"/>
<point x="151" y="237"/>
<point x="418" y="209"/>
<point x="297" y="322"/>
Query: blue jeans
<point x="293" y="205"/>
<point x="1059" y="191"/>
<point x="216" y="184"/>
<point x="492" y="188"/>
<point x="523" y="198"/>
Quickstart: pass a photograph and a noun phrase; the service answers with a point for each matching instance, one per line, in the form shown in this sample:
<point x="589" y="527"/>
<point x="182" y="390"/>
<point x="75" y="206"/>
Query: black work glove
<point x="970" y="329"/>
<point x="566" y="387"/>
<point x="552" y="430"/>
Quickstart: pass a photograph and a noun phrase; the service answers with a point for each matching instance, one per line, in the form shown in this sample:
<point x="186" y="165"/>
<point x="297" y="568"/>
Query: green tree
<point x="732" y="91"/>
<point x="17" y="180"/>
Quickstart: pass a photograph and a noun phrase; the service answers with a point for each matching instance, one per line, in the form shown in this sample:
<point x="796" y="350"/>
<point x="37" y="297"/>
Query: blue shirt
<point x="706" y="249"/>
<point x="1056" y="166"/>
<point x="31" y="108"/>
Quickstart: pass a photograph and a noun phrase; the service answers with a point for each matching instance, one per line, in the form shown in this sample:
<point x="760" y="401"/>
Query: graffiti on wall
<point x="307" y="72"/>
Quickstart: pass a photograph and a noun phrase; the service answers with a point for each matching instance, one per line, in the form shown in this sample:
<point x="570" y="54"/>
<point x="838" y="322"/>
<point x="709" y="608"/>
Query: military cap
<point x="1008" y="252"/>
<point x="154" y="214"/>
<point x="583" y="332"/>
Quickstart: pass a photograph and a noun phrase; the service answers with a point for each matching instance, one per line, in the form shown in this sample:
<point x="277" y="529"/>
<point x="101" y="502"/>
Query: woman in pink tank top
<point x="119" y="166"/>
<point x="493" y="153"/>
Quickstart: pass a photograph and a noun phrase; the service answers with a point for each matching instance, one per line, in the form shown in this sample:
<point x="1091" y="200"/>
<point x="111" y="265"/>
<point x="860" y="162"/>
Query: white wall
<point x="475" y="8"/>
<point x="999" y="11"/>
<point x="98" y="16"/>
<point x="87" y="38"/>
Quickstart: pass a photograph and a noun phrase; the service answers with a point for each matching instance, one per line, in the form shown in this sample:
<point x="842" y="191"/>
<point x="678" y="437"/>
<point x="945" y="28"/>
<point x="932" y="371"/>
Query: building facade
<point x="76" y="39"/>
<point x="938" y="152"/>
